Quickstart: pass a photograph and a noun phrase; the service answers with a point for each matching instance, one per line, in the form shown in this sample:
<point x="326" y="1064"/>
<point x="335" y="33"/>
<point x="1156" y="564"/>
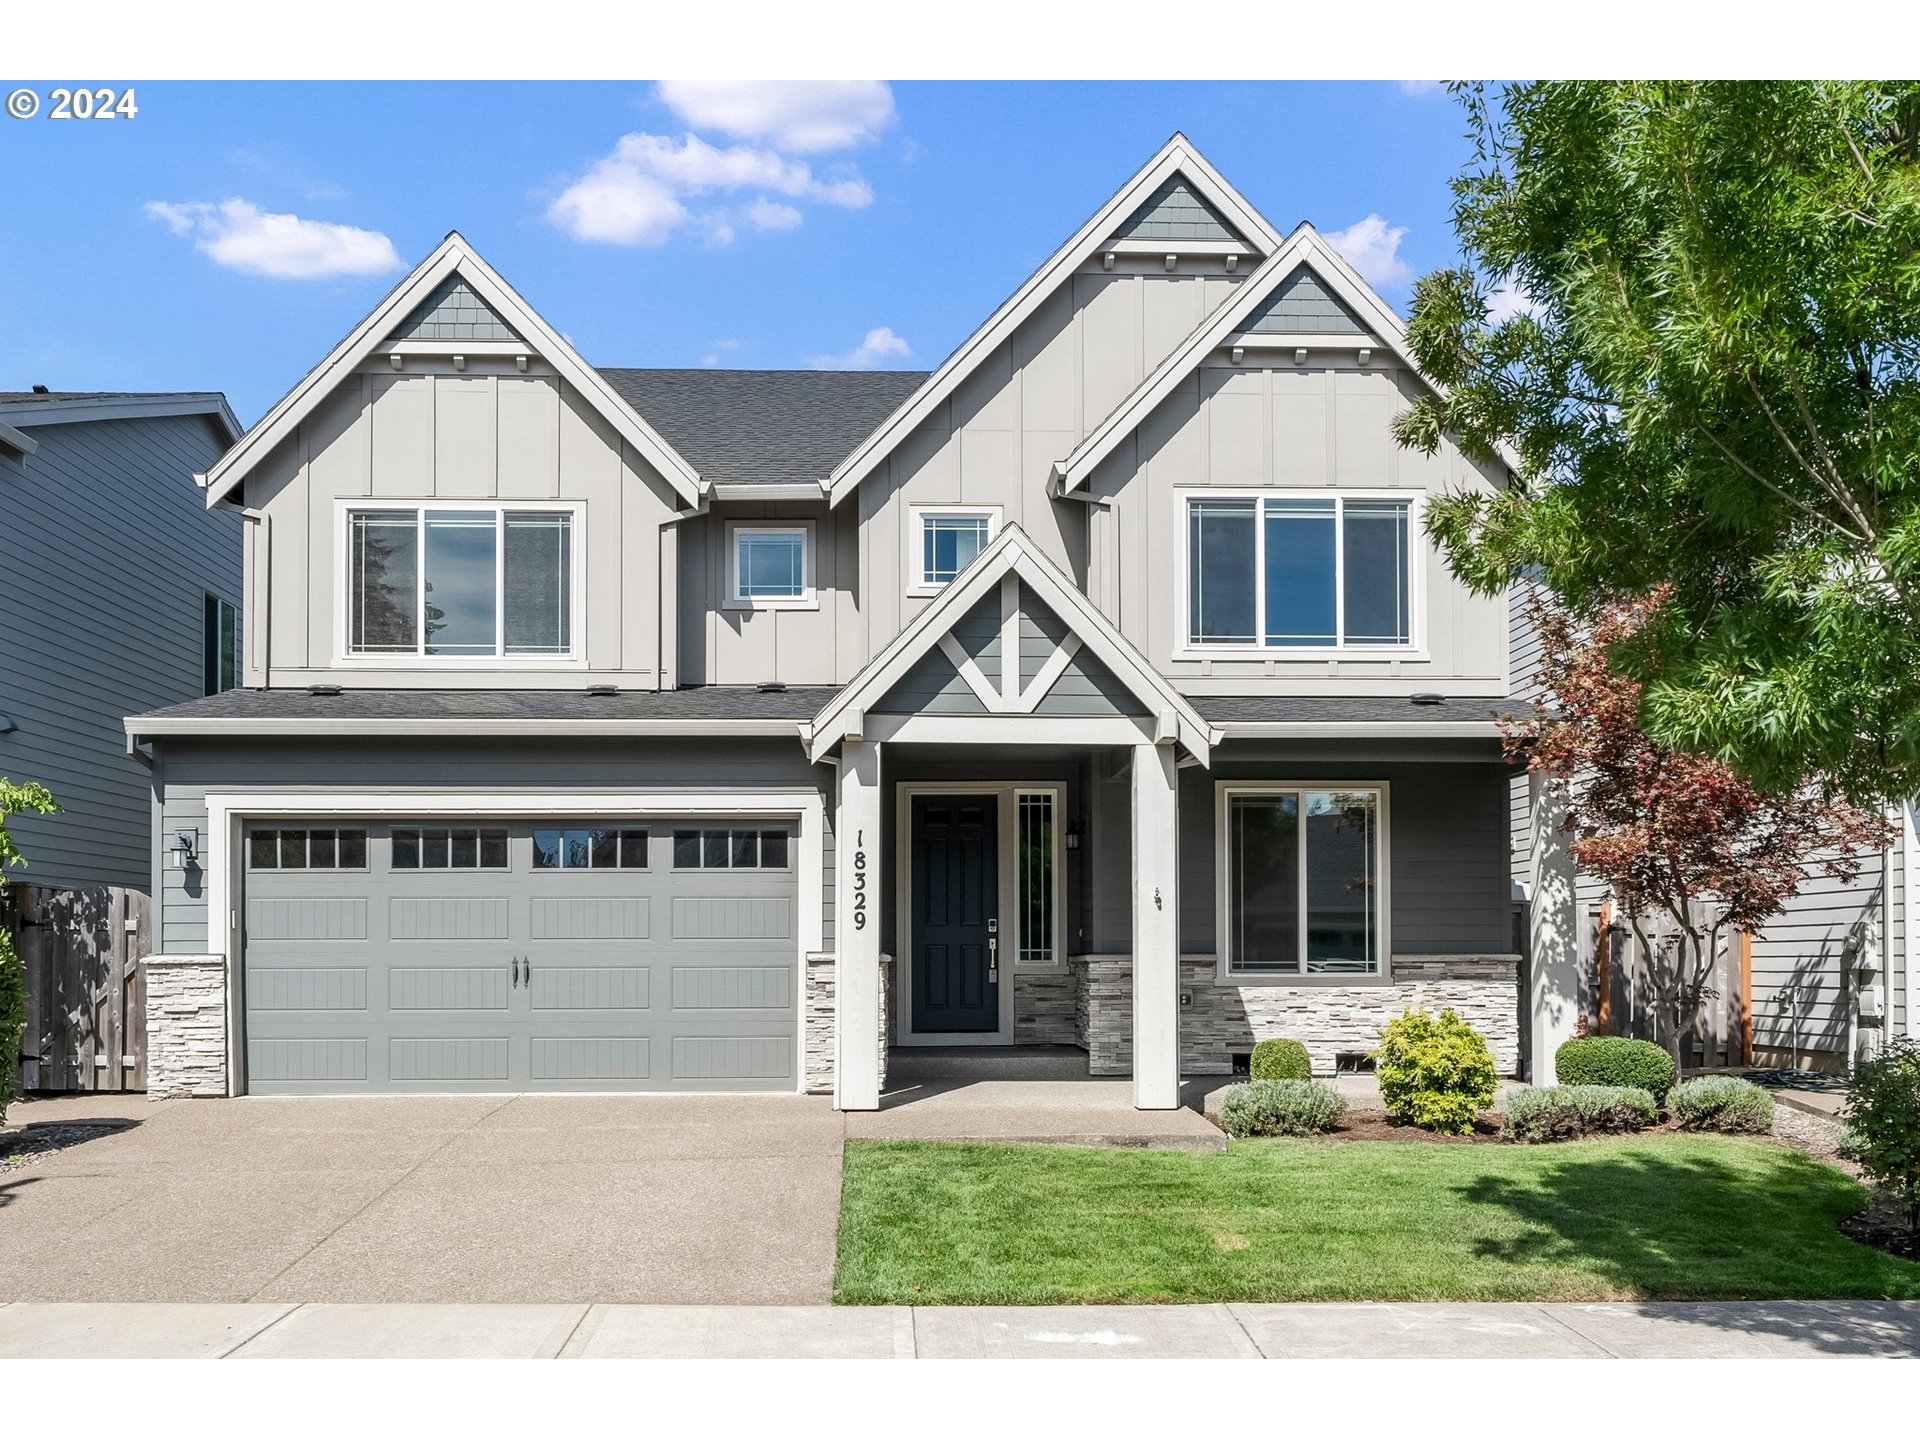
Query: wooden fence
<point x="1619" y="998"/>
<point x="86" y="988"/>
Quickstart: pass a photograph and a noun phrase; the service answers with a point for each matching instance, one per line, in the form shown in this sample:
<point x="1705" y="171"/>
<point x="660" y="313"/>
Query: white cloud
<point x="803" y="116"/>
<point x="1372" y="247"/>
<point x="636" y="194"/>
<point x="1419" y="89"/>
<point x="712" y="357"/>
<point x="878" y="345"/>
<point x="1507" y="300"/>
<point x="241" y="236"/>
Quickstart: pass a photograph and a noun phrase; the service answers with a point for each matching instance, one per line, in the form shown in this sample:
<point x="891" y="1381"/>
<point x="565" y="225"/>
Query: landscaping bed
<point x="1647" y="1216"/>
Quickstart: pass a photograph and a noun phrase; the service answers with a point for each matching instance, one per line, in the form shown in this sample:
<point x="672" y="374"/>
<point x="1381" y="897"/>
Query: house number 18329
<point x="859" y="887"/>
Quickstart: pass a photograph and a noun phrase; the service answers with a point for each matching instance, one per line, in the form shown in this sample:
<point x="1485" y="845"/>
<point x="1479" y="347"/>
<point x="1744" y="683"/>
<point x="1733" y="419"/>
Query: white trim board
<point x="229" y="808"/>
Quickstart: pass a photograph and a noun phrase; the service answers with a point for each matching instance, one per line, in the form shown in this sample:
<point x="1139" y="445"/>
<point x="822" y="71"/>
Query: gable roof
<point x="760" y="427"/>
<point x="453" y="256"/>
<point x="1012" y="553"/>
<point x="1303" y="249"/>
<point x="70" y="407"/>
<point x="1176" y="158"/>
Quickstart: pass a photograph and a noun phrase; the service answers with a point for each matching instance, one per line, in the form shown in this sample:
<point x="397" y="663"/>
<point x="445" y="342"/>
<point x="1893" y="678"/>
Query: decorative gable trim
<point x="1177" y="158"/>
<point x="1304" y="249"/>
<point x="1010" y="563"/>
<point x="455" y="261"/>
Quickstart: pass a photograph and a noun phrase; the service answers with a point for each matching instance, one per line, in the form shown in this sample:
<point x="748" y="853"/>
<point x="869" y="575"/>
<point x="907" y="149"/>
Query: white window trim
<point x="574" y="659"/>
<point x="808" y="600"/>
<point x="1224" y="971"/>
<point x="1415" y="649"/>
<point x="917" y="516"/>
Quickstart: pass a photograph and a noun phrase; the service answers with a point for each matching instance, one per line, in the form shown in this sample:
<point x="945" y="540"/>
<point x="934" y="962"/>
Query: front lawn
<point x="1651" y="1217"/>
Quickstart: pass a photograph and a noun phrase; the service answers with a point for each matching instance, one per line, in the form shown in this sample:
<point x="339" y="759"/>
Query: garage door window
<point x="729" y="849"/>
<point x="450" y="848"/>
<point x="589" y="849"/>
<point x="307" y="850"/>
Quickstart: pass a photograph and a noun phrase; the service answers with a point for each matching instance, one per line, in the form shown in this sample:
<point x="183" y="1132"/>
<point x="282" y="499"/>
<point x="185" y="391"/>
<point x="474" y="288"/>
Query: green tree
<point x="1690" y="313"/>
<point x="14" y="799"/>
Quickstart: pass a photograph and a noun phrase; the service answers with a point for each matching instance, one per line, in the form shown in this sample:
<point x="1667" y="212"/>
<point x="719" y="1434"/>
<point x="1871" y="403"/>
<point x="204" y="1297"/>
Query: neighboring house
<point x="694" y="731"/>
<point x="1824" y="983"/>
<point x="119" y="592"/>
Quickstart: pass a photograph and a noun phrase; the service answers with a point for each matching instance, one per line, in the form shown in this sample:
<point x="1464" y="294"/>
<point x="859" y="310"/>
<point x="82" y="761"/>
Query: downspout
<point x="254" y="589"/>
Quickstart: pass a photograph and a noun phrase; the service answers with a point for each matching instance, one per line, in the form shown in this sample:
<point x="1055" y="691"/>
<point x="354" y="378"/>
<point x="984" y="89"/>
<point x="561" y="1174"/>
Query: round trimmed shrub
<point x="1280" y="1060"/>
<point x="1434" y="1071"/>
<point x="1615" y="1060"/>
<point x="1883" y="1124"/>
<point x="1722" y="1102"/>
<point x="1280" y="1107"/>
<point x="1537" y="1114"/>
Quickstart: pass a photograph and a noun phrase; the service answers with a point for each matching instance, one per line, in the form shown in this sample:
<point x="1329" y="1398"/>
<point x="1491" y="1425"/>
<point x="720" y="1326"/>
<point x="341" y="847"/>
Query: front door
<point x="956" y="913"/>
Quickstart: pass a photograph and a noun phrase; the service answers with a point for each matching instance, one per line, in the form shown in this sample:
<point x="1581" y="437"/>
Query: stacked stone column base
<point x="186" y="1026"/>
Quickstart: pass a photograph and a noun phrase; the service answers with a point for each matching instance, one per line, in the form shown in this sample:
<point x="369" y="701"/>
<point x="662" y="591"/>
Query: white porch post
<point x="1156" y="928"/>
<point x="1553" y="984"/>
<point x="856" y="988"/>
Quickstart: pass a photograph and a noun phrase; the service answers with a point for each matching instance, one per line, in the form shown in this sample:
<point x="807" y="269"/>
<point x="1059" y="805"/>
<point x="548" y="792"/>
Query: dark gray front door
<point x="956" y="908"/>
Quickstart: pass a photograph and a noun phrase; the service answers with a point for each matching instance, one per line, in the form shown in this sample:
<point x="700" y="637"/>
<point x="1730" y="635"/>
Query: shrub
<point x="13" y="1016"/>
<point x="1615" y="1060"/>
<point x="1280" y="1107"/>
<point x="1722" y="1102"/>
<point x="1883" y="1124"/>
<point x="1435" y="1071"/>
<point x="1280" y="1060"/>
<point x="1539" y="1113"/>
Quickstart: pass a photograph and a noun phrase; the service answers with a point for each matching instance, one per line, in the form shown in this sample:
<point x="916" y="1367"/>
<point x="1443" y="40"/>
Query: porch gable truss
<point x="1014" y="646"/>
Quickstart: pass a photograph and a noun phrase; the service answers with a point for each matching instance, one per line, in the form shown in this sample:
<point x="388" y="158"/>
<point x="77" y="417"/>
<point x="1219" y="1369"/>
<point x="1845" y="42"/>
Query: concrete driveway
<point x="665" y="1200"/>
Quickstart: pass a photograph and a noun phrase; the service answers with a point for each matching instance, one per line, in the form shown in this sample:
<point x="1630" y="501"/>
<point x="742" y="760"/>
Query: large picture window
<point x="473" y="583"/>
<point x="1299" y="571"/>
<point x="1302" y="873"/>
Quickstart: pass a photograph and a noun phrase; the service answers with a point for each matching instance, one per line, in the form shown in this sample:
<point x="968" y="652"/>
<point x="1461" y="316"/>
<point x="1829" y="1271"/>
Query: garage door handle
<point x="516" y="974"/>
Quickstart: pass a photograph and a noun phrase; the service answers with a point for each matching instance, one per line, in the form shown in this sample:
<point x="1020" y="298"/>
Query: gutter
<point x="1357" y="729"/>
<point x="139" y="726"/>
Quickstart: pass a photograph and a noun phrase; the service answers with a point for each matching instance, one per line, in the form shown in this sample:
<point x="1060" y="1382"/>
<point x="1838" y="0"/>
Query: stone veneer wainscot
<point x="819" y="1054"/>
<point x="1329" y="1019"/>
<point x="186" y="1026"/>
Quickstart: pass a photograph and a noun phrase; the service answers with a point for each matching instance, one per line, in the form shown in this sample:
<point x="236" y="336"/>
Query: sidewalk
<point x="1754" y="1330"/>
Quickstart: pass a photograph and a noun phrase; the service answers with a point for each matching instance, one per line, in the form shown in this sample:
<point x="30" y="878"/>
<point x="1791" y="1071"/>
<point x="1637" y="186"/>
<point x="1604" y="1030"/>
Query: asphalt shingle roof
<point x="764" y="426"/>
<point x="32" y="397"/>
<point x="707" y="702"/>
<point x="1352" y="709"/>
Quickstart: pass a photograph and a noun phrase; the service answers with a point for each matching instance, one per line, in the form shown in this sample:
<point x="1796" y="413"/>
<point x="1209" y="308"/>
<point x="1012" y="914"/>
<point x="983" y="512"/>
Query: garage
<point x="426" y="955"/>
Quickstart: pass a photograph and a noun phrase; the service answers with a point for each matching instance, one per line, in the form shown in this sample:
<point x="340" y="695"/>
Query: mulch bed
<point x="24" y="1144"/>
<point x="1883" y="1225"/>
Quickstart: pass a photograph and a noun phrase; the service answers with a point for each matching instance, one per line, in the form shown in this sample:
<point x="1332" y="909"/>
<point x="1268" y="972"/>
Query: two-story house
<point x="719" y="730"/>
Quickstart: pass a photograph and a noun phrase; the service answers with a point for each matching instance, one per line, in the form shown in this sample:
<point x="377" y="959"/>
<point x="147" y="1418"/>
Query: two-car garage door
<point x="412" y="956"/>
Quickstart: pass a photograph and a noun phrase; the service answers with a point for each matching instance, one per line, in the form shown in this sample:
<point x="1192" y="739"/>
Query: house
<point x="120" y="591"/>
<point x="1821" y="985"/>
<point x="609" y="729"/>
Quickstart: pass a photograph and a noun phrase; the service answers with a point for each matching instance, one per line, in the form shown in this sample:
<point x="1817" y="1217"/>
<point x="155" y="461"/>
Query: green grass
<point x="1652" y="1217"/>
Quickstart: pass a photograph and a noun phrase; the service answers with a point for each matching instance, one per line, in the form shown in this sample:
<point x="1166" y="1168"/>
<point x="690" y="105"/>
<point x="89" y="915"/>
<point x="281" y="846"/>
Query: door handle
<point x="993" y="958"/>
<point x="514" y="982"/>
<point x="526" y="971"/>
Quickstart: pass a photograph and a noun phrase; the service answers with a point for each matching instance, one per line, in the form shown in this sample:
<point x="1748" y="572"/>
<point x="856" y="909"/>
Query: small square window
<point x="770" y="566"/>
<point x="606" y="849"/>
<point x="746" y="849"/>
<point x="949" y="540"/>
<point x="633" y="849"/>
<point x="406" y="849"/>
<point x="686" y="849"/>
<point x="714" y="849"/>
<point x="773" y="849"/>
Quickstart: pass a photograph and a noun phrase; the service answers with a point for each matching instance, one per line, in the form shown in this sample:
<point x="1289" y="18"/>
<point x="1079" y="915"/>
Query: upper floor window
<point x="471" y="582"/>
<point x="947" y="539"/>
<point x="220" y="646"/>
<point x="1299" y="571"/>
<point x="770" y="567"/>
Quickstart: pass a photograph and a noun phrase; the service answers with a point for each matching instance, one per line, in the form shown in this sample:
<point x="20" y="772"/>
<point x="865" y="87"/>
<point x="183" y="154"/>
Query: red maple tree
<point x="1671" y="833"/>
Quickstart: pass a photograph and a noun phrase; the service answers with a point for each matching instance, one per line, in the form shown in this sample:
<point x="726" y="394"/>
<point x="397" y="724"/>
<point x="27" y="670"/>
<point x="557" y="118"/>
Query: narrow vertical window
<point x="220" y="646"/>
<point x="1378" y="602"/>
<point x="1220" y="572"/>
<point x="1036" y="831"/>
<point x="460" y="600"/>
<point x="385" y="582"/>
<point x="1301" y="578"/>
<point x="537" y="576"/>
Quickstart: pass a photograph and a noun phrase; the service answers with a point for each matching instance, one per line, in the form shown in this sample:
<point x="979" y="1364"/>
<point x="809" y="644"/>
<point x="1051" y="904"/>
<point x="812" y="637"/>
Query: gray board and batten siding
<point x="107" y="555"/>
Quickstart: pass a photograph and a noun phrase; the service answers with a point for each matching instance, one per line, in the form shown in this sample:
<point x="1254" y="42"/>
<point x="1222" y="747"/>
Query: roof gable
<point x="1176" y="160"/>
<point x="1177" y="211"/>
<point x="451" y="287"/>
<point x="453" y="312"/>
<point x="1275" y="288"/>
<point x="1302" y="304"/>
<point x="1012" y="636"/>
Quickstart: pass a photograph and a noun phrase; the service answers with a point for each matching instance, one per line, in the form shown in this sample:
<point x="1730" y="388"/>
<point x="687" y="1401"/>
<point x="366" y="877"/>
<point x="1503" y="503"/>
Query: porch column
<point x="856" y="928"/>
<point x="1156" y="928"/>
<point x="1553" y="939"/>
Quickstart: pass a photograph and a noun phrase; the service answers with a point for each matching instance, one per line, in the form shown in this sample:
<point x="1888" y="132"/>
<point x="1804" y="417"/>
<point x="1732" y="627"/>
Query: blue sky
<point x="792" y="227"/>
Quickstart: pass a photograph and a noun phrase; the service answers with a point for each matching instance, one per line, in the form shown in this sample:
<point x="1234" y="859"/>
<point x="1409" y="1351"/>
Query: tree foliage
<point x="1705" y="364"/>
<point x="14" y="799"/>
<point x="1673" y="834"/>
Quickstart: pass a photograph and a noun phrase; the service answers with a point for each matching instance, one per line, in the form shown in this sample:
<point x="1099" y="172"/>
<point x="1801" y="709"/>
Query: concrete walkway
<point x="1774" y="1330"/>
